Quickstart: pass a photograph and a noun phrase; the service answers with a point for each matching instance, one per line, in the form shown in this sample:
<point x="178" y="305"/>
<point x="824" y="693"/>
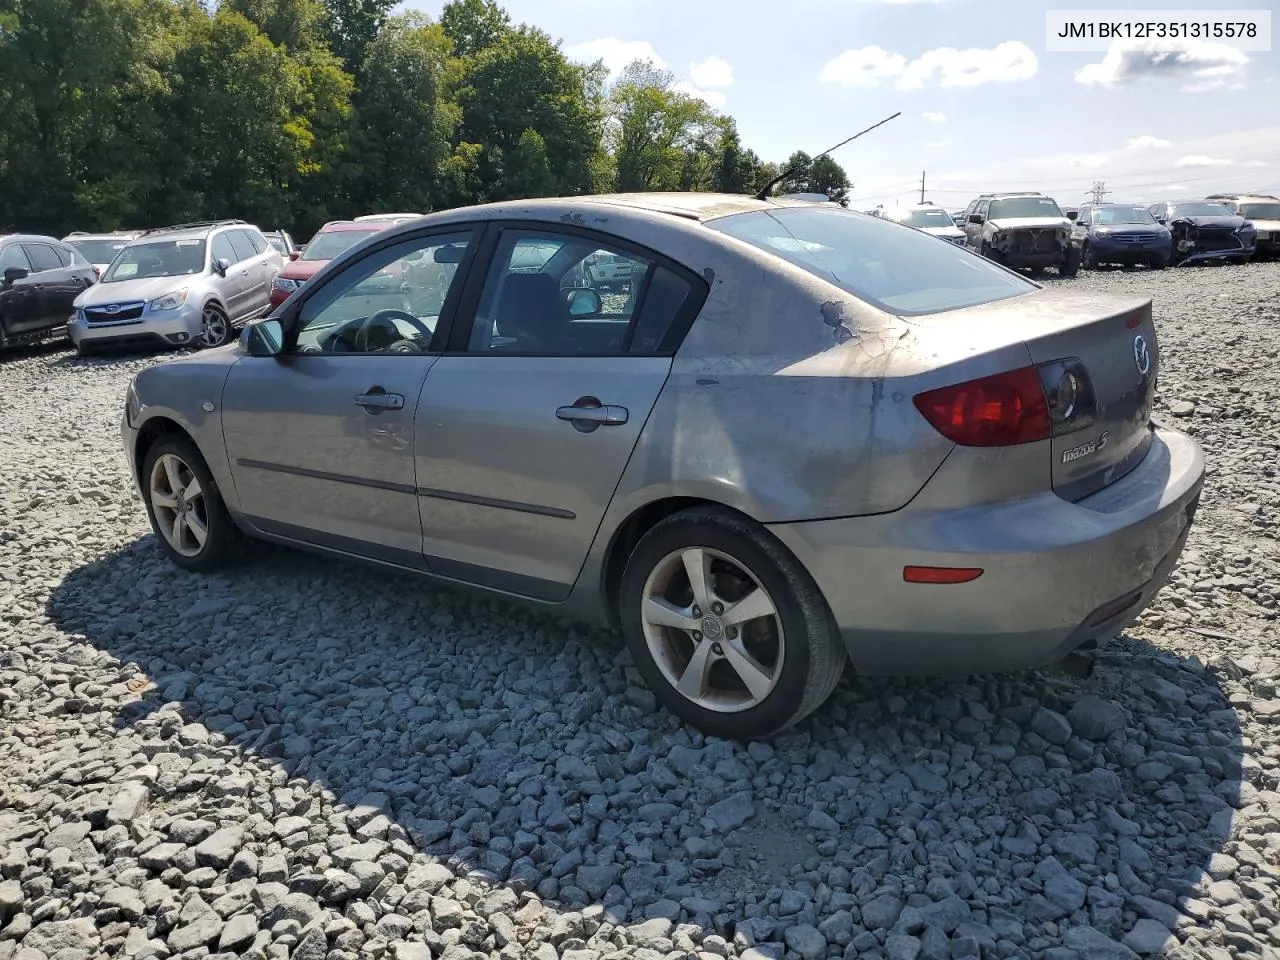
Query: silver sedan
<point x="802" y="438"/>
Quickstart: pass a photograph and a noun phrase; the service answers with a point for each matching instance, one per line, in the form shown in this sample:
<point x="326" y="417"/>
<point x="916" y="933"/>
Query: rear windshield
<point x="898" y="269"/>
<point x="326" y="246"/>
<point x="1016" y="207"/>
<point x="99" y="251"/>
<point x="926" y="218"/>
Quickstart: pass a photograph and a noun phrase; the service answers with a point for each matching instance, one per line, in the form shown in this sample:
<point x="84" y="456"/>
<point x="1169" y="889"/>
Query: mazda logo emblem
<point x="1141" y="355"/>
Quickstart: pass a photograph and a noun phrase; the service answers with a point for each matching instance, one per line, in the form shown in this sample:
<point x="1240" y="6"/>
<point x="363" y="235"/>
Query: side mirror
<point x="583" y="302"/>
<point x="221" y="266"/>
<point x="262" y="339"/>
<point x="294" y="254"/>
<point x="974" y="218"/>
<point x="13" y="274"/>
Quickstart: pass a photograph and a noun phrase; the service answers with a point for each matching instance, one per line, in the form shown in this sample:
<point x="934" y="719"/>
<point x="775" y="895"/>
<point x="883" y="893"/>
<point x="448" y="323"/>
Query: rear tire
<point x="215" y="327"/>
<point x="185" y="507"/>
<point x="1070" y="265"/>
<point x="1087" y="261"/>
<point x="785" y="643"/>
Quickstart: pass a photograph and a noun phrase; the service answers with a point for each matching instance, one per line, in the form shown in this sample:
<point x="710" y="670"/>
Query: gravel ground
<point x="306" y="759"/>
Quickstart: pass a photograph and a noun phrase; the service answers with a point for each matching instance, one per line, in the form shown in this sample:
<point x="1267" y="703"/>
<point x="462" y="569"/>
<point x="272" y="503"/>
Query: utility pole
<point x="1099" y="191"/>
<point x="922" y="186"/>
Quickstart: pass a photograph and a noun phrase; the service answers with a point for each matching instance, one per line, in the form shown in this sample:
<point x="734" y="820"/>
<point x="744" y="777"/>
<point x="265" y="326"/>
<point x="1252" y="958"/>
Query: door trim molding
<point x="457" y="497"/>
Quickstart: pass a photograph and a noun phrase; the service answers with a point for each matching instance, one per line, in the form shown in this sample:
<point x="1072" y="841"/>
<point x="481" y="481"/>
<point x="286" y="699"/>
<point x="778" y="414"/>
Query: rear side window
<point x="256" y="240"/>
<point x="42" y="256"/>
<point x="240" y="243"/>
<point x="897" y="268"/>
<point x="668" y="298"/>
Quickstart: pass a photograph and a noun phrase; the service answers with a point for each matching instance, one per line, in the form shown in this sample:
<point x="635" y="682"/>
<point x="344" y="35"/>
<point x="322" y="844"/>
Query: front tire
<point x="215" y="327"/>
<point x="184" y="506"/>
<point x="1087" y="261"/>
<point x="727" y="628"/>
<point x="1070" y="265"/>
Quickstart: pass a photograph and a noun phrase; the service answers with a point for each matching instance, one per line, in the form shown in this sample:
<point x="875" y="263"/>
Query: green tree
<point x="823" y="175"/>
<point x="354" y="25"/>
<point x="406" y="120"/>
<point x="660" y="137"/>
<point x="522" y="82"/>
<point x="735" y="170"/>
<point x="294" y="24"/>
<point x="474" y="25"/>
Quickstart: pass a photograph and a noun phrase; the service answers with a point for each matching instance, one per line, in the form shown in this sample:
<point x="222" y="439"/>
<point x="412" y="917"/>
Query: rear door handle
<point x="590" y="411"/>
<point x="380" y="400"/>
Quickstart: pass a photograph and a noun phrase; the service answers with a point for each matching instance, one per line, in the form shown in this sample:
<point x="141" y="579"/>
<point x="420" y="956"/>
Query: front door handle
<point x="588" y="413"/>
<point x="379" y="399"/>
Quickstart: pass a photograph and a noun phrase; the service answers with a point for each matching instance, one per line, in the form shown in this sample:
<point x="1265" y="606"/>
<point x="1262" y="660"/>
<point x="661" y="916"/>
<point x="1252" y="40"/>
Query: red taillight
<point x="941" y="574"/>
<point x="996" y="411"/>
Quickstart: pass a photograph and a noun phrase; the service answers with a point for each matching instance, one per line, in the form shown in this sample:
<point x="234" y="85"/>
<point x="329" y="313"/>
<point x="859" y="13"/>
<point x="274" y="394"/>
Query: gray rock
<point x="1051" y="726"/>
<point x="220" y="847"/>
<point x="238" y="933"/>
<point x="297" y="907"/>
<point x="61" y="935"/>
<point x="129" y="803"/>
<point x="1095" y="945"/>
<point x="882" y="912"/>
<point x="1149" y="937"/>
<point x="653" y="934"/>
<point x="202" y="929"/>
<point x="1093" y="718"/>
<point x="732" y="812"/>
<point x="902" y="947"/>
<point x="806" y="941"/>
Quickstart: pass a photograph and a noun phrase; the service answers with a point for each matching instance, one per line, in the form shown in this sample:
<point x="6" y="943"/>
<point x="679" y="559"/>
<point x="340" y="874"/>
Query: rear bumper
<point x="1055" y="575"/>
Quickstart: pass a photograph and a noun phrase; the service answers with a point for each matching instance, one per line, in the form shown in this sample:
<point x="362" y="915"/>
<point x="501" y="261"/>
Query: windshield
<point x="1113" y="215"/>
<point x="157" y="258"/>
<point x="278" y="242"/>
<point x="99" y="251"/>
<point x="1024" y="207"/>
<point x="1260" y="211"/>
<point x="1199" y="210"/>
<point x="326" y="246"/>
<point x="900" y="270"/>
<point x="926" y="218"/>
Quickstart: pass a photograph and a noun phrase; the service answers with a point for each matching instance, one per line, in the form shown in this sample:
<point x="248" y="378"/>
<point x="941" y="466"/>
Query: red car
<point x="330" y="240"/>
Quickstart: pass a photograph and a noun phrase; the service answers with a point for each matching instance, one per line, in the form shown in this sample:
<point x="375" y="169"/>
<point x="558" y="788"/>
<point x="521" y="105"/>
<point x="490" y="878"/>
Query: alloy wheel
<point x="178" y="501"/>
<point x="213" y="327"/>
<point x="712" y="629"/>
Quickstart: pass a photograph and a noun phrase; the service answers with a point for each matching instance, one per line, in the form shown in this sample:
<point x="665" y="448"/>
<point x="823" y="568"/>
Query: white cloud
<point x="711" y="72"/>
<point x="615" y="53"/>
<point x="713" y="98"/>
<point x="1200" y="160"/>
<point x="1088" y="161"/>
<point x="1209" y="66"/>
<point x="933" y="117"/>
<point x="1253" y="163"/>
<point x="949" y="67"/>
<point x="1147" y="143"/>
<point x="900" y="3"/>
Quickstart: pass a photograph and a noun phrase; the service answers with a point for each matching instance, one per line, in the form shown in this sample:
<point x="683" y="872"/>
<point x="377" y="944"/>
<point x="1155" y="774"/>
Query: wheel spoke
<point x="199" y="532"/>
<point x="193" y="491"/>
<point x="162" y="501"/>
<point x="173" y="473"/>
<point x="697" y="565"/>
<point x="693" y="682"/>
<point x="754" y="605"/>
<point x="178" y="525"/>
<point x="664" y="614"/>
<point x="754" y="676"/>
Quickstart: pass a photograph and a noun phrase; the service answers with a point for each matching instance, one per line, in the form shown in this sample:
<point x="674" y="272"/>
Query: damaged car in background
<point x="1205" y="230"/>
<point x="1023" y="231"/>
<point x="1123" y="234"/>
<point x="1263" y="211"/>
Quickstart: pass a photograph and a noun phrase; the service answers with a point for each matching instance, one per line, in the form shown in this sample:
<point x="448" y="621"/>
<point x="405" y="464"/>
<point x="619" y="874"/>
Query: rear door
<point x="527" y="422"/>
<point x="244" y="274"/>
<point x="56" y="285"/>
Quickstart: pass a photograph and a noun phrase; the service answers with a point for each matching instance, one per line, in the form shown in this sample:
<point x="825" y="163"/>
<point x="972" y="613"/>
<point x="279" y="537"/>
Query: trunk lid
<point x="1113" y="339"/>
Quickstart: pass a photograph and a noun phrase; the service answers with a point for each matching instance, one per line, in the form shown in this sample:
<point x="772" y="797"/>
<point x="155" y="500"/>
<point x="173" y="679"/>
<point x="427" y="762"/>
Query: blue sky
<point x="984" y="105"/>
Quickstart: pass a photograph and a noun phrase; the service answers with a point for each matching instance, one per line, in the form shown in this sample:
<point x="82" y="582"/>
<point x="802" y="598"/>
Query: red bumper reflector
<point x="940" y="574"/>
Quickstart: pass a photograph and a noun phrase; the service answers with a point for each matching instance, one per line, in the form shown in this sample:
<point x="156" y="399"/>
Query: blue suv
<point x="1121" y="233"/>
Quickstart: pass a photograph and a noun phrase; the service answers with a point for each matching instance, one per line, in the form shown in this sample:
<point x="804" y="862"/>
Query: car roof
<point x="28" y="237"/>
<point x="106" y="235"/>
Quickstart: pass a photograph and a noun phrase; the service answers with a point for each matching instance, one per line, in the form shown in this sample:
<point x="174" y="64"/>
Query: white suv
<point x="184" y="285"/>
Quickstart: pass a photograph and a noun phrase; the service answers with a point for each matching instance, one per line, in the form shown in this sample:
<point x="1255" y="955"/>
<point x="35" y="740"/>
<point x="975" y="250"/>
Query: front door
<point x="524" y="430"/>
<point x="321" y="438"/>
<point x="19" y="298"/>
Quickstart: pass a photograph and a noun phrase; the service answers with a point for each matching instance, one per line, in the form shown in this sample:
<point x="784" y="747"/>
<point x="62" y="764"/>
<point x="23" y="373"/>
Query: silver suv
<point x="176" y="286"/>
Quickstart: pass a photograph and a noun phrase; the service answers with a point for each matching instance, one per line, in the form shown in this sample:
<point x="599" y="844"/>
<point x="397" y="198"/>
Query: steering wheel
<point x="386" y="319"/>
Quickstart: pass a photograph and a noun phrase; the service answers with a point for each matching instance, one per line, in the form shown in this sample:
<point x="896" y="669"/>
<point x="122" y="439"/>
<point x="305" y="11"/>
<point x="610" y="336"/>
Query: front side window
<point x="898" y="269"/>
<point x="240" y="244"/>
<point x="326" y="246"/>
<point x="12" y="256"/>
<point x="388" y="302"/>
<point x="42" y="256"/>
<point x="157" y="258"/>
<point x="558" y="295"/>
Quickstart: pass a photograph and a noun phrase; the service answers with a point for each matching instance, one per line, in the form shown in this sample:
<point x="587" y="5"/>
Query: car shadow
<point x="523" y="752"/>
<point x="26" y="351"/>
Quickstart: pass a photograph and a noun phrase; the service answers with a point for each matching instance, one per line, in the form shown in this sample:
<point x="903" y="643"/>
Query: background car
<point x="330" y="240"/>
<point x="100" y="248"/>
<point x="188" y="284"/>
<point x="1205" y="230"/>
<point x="283" y="242"/>
<point x="40" y="278"/>
<point x="605" y="459"/>
<point x="1121" y="233"/>
<point x="1022" y="230"/>
<point x="929" y="217"/>
<point x="1263" y="211"/>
